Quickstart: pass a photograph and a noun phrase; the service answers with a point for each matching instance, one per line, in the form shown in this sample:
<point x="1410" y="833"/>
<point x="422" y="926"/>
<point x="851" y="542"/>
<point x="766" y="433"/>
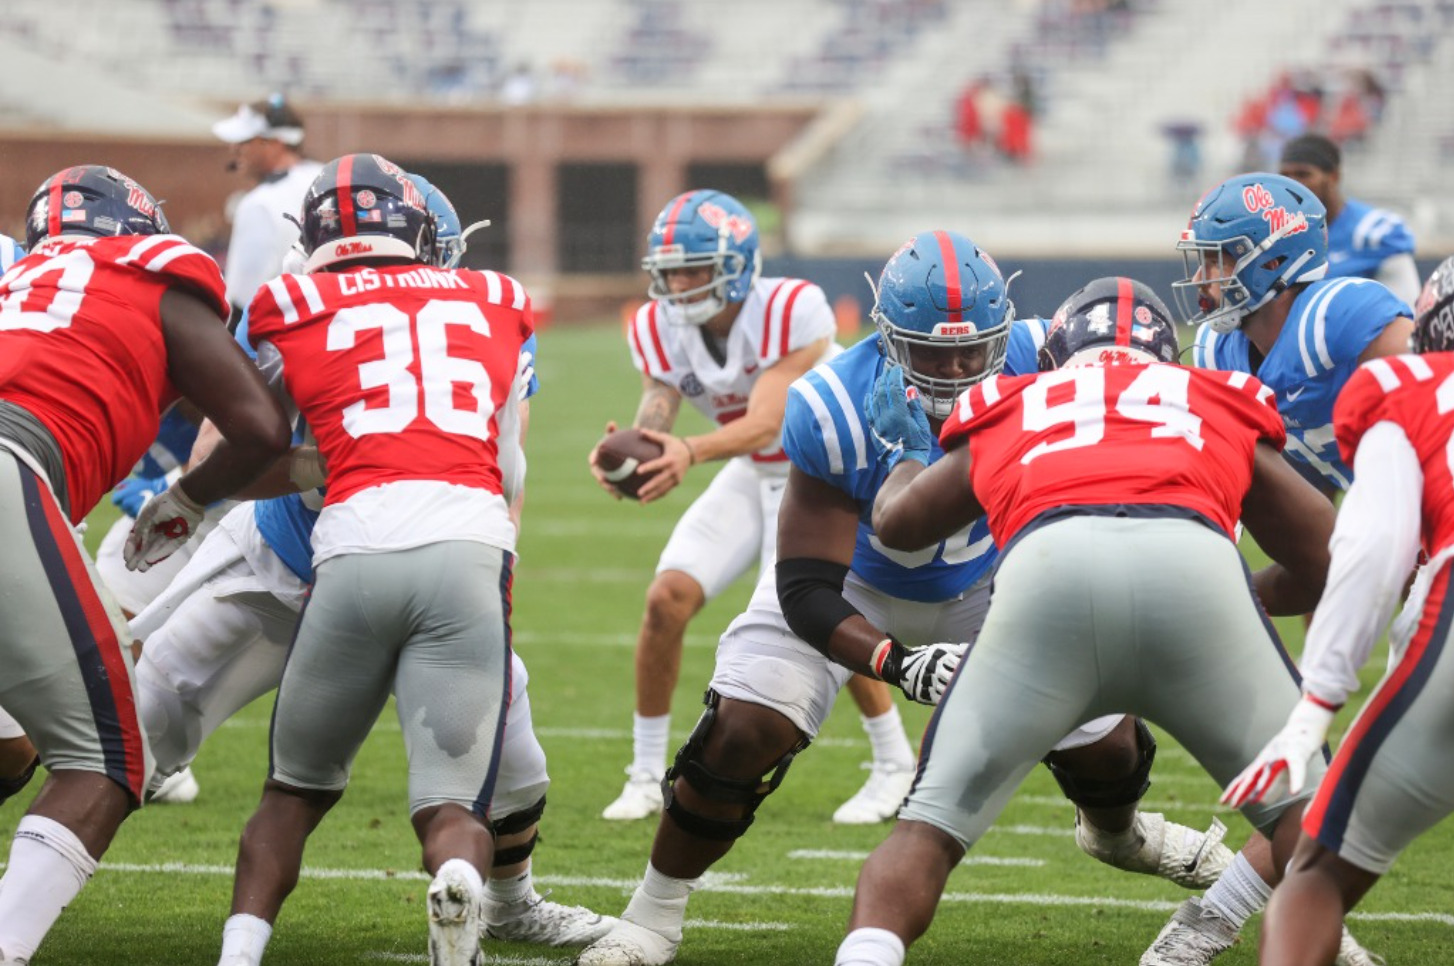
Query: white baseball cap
<point x="272" y="119"/>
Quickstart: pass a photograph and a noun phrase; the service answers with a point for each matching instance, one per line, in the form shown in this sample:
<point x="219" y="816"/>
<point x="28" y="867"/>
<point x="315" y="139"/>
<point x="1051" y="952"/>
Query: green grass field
<point x="1026" y="895"/>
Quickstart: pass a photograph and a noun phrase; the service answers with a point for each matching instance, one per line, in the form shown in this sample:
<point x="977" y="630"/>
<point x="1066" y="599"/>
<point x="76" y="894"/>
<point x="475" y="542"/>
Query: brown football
<point x="620" y="453"/>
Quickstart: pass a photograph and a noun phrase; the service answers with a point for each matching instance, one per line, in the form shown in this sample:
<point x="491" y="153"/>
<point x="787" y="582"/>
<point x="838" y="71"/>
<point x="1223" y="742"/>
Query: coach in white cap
<point x="267" y="145"/>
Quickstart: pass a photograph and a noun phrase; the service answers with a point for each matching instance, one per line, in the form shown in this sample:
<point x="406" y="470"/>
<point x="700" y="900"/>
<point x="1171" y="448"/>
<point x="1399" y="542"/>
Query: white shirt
<point x="261" y="236"/>
<point x="1375" y="546"/>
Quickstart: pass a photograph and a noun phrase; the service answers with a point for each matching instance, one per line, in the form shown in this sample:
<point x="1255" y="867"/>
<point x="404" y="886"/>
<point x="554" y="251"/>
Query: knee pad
<point x="1114" y="793"/>
<point x="718" y="788"/>
<point x="10" y="787"/>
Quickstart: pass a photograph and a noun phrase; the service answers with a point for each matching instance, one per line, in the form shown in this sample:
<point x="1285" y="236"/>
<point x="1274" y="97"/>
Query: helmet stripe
<point x="1125" y="308"/>
<point x="345" y="196"/>
<point x="671" y="217"/>
<point x="57" y="188"/>
<point x="951" y="276"/>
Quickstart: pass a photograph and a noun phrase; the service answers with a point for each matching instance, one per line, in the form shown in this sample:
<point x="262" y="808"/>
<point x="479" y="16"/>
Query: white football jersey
<point x="779" y="316"/>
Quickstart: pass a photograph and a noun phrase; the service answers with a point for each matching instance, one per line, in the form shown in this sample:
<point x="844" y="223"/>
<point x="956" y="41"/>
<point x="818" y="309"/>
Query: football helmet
<point x="1434" y="312"/>
<point x="92" y="199"/>
<point x="703" y="228"/>
<point x="941" y="291"/>
<point x="448" y="233"/>
<point x="363" y="206"/>
<point x="1265" y="232"/>
<point x="1111" y="321"/>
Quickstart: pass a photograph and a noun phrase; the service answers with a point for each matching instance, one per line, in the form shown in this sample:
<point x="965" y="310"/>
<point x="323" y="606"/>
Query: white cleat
<point x="1350" y="953"/>
<point x="1154" y="846"/>
<point x="628" y="944"/>
<point x="454" y="920"/>
<point x="179" y="788"/>
<point x="1194" y="937"/>
<point x="538" y="920"/>
<point x="641" y="798"/>
<point x="879" y="798"/>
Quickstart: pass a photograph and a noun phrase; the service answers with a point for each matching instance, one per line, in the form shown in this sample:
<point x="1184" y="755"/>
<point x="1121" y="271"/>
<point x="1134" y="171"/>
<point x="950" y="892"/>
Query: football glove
<point x="897" y="423"/>
<point x="1282" y="768"/>
<point x="132" y="493"/>
<point x="162" y="526"/>
<point x="923" y="673"/>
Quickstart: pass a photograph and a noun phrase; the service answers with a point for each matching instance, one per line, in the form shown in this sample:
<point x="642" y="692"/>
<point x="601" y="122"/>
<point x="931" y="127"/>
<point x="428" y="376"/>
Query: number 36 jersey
<point x="1094" y="436"/>
<point x="404" y="374"/>
<point x="81" y="347"/>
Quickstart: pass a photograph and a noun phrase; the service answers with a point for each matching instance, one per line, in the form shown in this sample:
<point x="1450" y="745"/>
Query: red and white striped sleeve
<point x="182" y="264"/>
<point x="648" y="348"/>
<point x="797" y="315"/>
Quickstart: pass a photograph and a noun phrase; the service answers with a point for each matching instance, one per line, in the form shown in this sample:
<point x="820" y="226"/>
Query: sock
<point x="660" y="903"/>
<point x="517" y="888"/>
<point x="649" y="737"/>
<point x="886" y="736"/>
<point x="48" y="866"/>
<point x="1239" y="894"/>
<point x="870" y="947"/>
<point x="244" y="938"/>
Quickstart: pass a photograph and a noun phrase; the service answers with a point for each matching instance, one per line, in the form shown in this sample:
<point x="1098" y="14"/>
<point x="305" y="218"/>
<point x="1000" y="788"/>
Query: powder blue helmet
<point x="940" y="290"/>
<point x="703" y="228"/>
<point x="449" y="234"/>
<point x="1266" y="232"/>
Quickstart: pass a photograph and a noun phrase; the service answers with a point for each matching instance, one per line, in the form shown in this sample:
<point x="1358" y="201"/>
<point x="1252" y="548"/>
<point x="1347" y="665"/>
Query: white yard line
<point x="845" y="856"/>
<point x="731" y="886"/>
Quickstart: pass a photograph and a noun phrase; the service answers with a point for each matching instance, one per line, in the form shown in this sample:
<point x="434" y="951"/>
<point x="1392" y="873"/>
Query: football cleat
<point x="640" y="798"/>
<point x="1154" y="846"/>
<point x="538" y="920"/>
<point x="180" y="788"/>
<point x="454" y="920"/>
<point x="879" y="798"/>
<point x="1194" y="937"/>
<point x="1350" y="953"/>
<point x="628" y="944"/>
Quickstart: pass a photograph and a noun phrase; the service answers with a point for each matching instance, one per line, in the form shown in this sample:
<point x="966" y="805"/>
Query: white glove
<point x="923" y="673"/>
<point x="524" y="372"/>
<point x="163" y="525"/>
<point x="1284" y="762"/>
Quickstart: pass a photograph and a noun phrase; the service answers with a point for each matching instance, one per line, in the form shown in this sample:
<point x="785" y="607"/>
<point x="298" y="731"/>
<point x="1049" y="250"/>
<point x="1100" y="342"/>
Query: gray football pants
<point x="432" y="623"/>
<point x="1094" y="615"/>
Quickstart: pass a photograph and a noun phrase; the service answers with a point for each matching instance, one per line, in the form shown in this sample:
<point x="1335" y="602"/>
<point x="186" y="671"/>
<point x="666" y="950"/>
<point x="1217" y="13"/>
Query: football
<point x="620" y="453"/>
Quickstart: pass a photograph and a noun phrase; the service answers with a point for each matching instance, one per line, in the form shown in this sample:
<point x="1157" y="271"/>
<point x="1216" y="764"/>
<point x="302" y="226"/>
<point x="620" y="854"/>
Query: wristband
<point x="691" y="450"/>
<point x="888" y="656"/>
<point x="1325" y="705"/>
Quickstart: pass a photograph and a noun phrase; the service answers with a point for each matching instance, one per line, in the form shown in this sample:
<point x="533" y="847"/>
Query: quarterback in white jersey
<point x="729" y="342"/>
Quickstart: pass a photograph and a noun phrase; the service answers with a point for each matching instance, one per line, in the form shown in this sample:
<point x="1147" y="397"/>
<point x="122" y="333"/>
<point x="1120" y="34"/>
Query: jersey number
<point x="75" y="268"/>
<point x="1157" y="396"/>
<point x="439" y="372"/>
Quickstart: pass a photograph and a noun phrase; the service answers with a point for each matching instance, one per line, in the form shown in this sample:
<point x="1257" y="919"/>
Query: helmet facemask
<point x="727" y="267"/>
<point x="937" y="393"/>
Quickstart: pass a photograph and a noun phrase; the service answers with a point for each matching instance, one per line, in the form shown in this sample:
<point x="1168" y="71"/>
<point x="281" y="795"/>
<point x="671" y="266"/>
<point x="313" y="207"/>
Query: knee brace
<point x="718" y="788"/>
<point x="1113" y="793"/>
<point x="10" y="787"/>
<point x="513" y="824"/>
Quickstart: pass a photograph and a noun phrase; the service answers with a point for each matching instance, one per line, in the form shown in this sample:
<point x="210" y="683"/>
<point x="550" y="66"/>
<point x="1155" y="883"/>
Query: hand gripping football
<point x="619" y="455"/>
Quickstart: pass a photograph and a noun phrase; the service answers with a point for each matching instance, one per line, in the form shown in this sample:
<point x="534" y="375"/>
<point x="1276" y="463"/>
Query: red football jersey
<point x="1416" y="393"/>
<point x="1147" y="434"/>
<point x="81" y="346"/>
<point x="399" y="371"/>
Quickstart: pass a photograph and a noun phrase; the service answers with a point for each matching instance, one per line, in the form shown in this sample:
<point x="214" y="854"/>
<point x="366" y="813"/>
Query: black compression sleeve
<point x="810" y="592"/>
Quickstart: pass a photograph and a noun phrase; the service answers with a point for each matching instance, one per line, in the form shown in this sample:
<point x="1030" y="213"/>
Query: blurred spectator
<point x="1185" y="137"/>
<point x="968" y="129"/>
<point x="519" y="86"/>
<point x="1363" y="240"/>
<point x="1344" y="104"/>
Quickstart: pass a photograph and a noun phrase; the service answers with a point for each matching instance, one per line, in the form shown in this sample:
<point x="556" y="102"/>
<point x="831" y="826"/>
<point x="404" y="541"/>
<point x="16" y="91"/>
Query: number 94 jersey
<point x="826" y="435"/>
<point x="400" y="371"/>
<point x="1149" y="435"/>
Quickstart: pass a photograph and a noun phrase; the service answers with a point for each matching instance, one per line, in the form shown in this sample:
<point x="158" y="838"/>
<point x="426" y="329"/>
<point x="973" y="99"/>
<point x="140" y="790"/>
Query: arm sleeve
<point x="1375" y="545"/>
<point x="1401" y="275"/>
<point x="270" y="361"/>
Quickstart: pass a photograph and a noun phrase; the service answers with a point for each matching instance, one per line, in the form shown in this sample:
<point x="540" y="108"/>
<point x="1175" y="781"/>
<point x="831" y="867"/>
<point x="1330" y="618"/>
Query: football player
<point x="108" y="321"/>
<point x="838" y="601"/>
<point x="729" y="342"/>
<point x="1116" y="479"/>
<point x="1256" y="253"/>
<point x="216" y="640"/>
<point x="412" y="550"/>
<point x="1390" y="780"/>
<point x="1363" y="240"/>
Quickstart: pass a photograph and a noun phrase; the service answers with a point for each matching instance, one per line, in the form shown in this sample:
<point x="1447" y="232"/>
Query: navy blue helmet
<point x="92" y="199"/>
<point x="1111" y="321"/>
<point x="1434" y="312"/>
<point x="363" y="206"/>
